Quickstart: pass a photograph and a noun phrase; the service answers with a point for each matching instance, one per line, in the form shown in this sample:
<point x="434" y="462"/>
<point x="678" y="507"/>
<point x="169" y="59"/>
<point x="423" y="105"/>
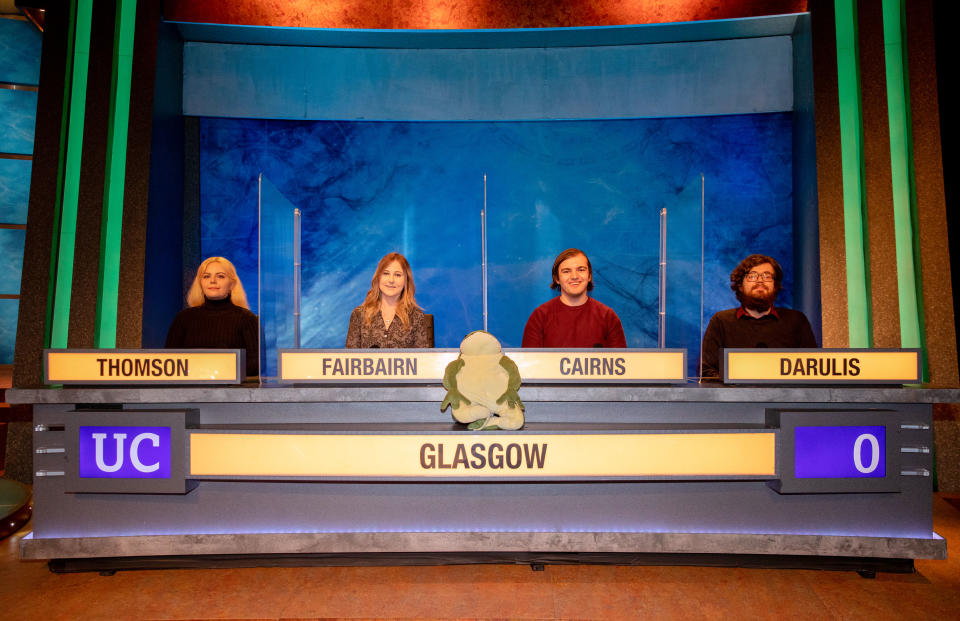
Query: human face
<point x="392" y="281"/>
<point x="215" y="281"/>
<point x="760" y="291"/>
<point x="573" y="276"/>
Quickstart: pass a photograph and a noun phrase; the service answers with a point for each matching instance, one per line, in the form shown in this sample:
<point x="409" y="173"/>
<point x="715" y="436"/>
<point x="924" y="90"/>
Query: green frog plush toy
<point x="482" y="385"/>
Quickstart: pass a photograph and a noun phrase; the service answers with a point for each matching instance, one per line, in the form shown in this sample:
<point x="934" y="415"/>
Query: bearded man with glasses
<point x="756" y="323"/>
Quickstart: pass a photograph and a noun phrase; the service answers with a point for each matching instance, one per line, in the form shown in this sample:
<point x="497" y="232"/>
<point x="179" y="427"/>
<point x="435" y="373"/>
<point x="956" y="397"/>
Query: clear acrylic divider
<point x="681" y="272"/>
<point x="278" y="276"/>
<point x="664" y="309"/>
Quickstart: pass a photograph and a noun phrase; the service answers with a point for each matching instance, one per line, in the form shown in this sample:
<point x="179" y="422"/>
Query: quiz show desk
<point x="175" y="475"/>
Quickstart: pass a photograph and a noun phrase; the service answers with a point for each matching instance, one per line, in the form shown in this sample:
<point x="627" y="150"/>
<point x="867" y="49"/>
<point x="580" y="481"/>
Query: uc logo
<point x="124" y="452"/>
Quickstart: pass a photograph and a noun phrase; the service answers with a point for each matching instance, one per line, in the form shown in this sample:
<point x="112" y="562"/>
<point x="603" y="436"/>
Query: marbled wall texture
<point x="426" y="14"/>
<point x="368" y="188"/>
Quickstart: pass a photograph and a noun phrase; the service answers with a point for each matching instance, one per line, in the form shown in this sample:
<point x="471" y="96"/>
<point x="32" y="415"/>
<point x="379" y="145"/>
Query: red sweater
<point x="556" y="325"/>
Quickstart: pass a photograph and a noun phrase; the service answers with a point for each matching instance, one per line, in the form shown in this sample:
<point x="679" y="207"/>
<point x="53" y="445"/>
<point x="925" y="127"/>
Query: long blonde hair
<point x="237" y="295"/>
<point x="406" y="303"/>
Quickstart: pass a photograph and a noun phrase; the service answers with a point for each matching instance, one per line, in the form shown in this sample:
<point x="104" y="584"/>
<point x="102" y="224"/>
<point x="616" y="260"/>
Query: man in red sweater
<point x="573" y="319"/>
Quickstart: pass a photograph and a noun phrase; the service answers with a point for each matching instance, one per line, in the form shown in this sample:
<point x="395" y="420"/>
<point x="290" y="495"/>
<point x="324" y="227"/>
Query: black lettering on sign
<point x="369" y="367"/>
<point x="144" y="367"/>
<point x="477" y="450"/>
<point x="593" y="366"/>
<point x="460" y="457"/>
<point x="621" y="367"/>
<point x="820" y="367"/>
<point x="514" y="456"/>
<point x="440" y="463"/>
<point x="427" y="458"/>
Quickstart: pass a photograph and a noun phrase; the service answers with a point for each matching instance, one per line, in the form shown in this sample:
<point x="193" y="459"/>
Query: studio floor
<point x="28" y="590"/>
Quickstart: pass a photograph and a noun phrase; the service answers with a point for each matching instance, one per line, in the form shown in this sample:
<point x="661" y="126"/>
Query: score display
<point x="839" y="452"/>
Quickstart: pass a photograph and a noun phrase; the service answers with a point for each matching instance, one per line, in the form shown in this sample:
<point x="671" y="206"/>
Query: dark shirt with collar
<point x="780" y="328"/>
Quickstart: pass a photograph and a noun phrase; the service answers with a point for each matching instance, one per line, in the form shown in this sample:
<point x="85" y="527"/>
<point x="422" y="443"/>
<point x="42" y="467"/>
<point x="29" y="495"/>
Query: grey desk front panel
<point x="223" y="507"/>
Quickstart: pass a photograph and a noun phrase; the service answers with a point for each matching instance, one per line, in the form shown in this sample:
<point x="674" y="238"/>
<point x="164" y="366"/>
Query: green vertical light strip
<point x="67" y="234"/>
<point x="851" y="147"/>
<point x="111" y="228"/>
<point x="901" y="173"/>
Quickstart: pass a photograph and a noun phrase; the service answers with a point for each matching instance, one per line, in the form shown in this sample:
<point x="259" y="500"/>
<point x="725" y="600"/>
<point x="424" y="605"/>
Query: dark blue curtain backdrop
<point x="368" y="188"/>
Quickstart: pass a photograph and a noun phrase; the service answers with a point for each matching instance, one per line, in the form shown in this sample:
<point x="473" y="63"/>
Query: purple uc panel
<point x="124" y="452"/>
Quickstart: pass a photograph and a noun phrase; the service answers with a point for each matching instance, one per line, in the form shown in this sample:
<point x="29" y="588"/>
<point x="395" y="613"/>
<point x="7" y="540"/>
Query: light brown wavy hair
<point x="237" y="295"/>
<point x="406" y="303"/>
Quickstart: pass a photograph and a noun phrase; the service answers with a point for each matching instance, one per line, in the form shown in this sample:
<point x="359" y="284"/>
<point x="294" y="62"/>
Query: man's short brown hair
<point x="740" y="272"/>
<point x="563" y="256"/>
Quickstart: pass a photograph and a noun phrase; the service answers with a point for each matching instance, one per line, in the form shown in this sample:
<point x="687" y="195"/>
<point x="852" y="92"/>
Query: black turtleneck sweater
<point x="217" y="324"/>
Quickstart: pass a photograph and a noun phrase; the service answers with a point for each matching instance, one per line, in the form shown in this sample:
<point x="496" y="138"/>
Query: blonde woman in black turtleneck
<point x="219" y="316"/>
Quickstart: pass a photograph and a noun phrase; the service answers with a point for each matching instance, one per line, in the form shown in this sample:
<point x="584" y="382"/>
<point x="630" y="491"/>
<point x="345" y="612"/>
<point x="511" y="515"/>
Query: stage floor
<point x="30" y="590"/>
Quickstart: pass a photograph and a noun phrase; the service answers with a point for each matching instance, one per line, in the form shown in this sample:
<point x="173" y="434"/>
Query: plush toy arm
<point x="510" y="395"/>
<point x="453" y="396"/>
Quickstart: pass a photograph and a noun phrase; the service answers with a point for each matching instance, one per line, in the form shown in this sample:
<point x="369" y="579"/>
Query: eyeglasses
<point x="754" y="277"/>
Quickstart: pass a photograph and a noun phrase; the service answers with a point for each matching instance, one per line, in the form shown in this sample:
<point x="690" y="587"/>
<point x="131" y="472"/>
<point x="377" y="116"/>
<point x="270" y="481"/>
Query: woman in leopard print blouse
<point x="390" y="316"/>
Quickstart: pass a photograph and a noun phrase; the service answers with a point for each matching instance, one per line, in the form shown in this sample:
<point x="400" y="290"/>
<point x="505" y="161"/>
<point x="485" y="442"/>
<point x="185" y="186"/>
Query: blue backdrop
<point x="367" y="188"/>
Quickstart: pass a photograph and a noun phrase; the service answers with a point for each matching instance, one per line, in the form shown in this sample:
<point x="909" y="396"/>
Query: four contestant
<point x="573" y="319"/>
<point x="756" y="323"/>
<point x="389" y="316"/>
<point x="219" y="316"/>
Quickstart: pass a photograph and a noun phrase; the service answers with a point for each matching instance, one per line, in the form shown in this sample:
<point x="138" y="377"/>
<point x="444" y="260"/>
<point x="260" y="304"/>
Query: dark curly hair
<point x="741" y="271"/>
<point x="563" y="256"/>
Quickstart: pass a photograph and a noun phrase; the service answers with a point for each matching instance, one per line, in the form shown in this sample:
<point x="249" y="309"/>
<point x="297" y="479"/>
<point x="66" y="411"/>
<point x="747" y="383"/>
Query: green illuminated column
<point x="851" y="145"/>
<point x="901" y="169"/>
<point x="70" y="155"/>
<point x="105" y="332"/>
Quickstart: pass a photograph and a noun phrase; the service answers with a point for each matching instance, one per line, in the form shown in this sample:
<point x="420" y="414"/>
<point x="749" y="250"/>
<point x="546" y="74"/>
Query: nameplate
<point x="319" y="366"/>
<point x="488" y="455"/>
<point x="535" y="365"/>
<point x="606" y="366"/>
<point x="143" y="366"/>
<point x="821" y="366"/>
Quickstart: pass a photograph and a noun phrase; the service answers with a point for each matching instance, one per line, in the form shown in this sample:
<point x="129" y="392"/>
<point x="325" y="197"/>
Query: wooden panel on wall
<point x="884" y="298"/>
<point x="833" y="290"/>
<point x="938" y="308"/>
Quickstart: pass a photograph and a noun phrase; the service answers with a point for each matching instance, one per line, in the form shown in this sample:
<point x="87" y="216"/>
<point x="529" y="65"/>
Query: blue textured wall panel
<point x="11" y="259"/>
<point x="18" y="115"/>
<point x="367" y="188"/>
<point x="14" y="190"/>
<point x="8" y="329"/>
<point x="20" y="44"/>
<point x="734" y="76"/>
